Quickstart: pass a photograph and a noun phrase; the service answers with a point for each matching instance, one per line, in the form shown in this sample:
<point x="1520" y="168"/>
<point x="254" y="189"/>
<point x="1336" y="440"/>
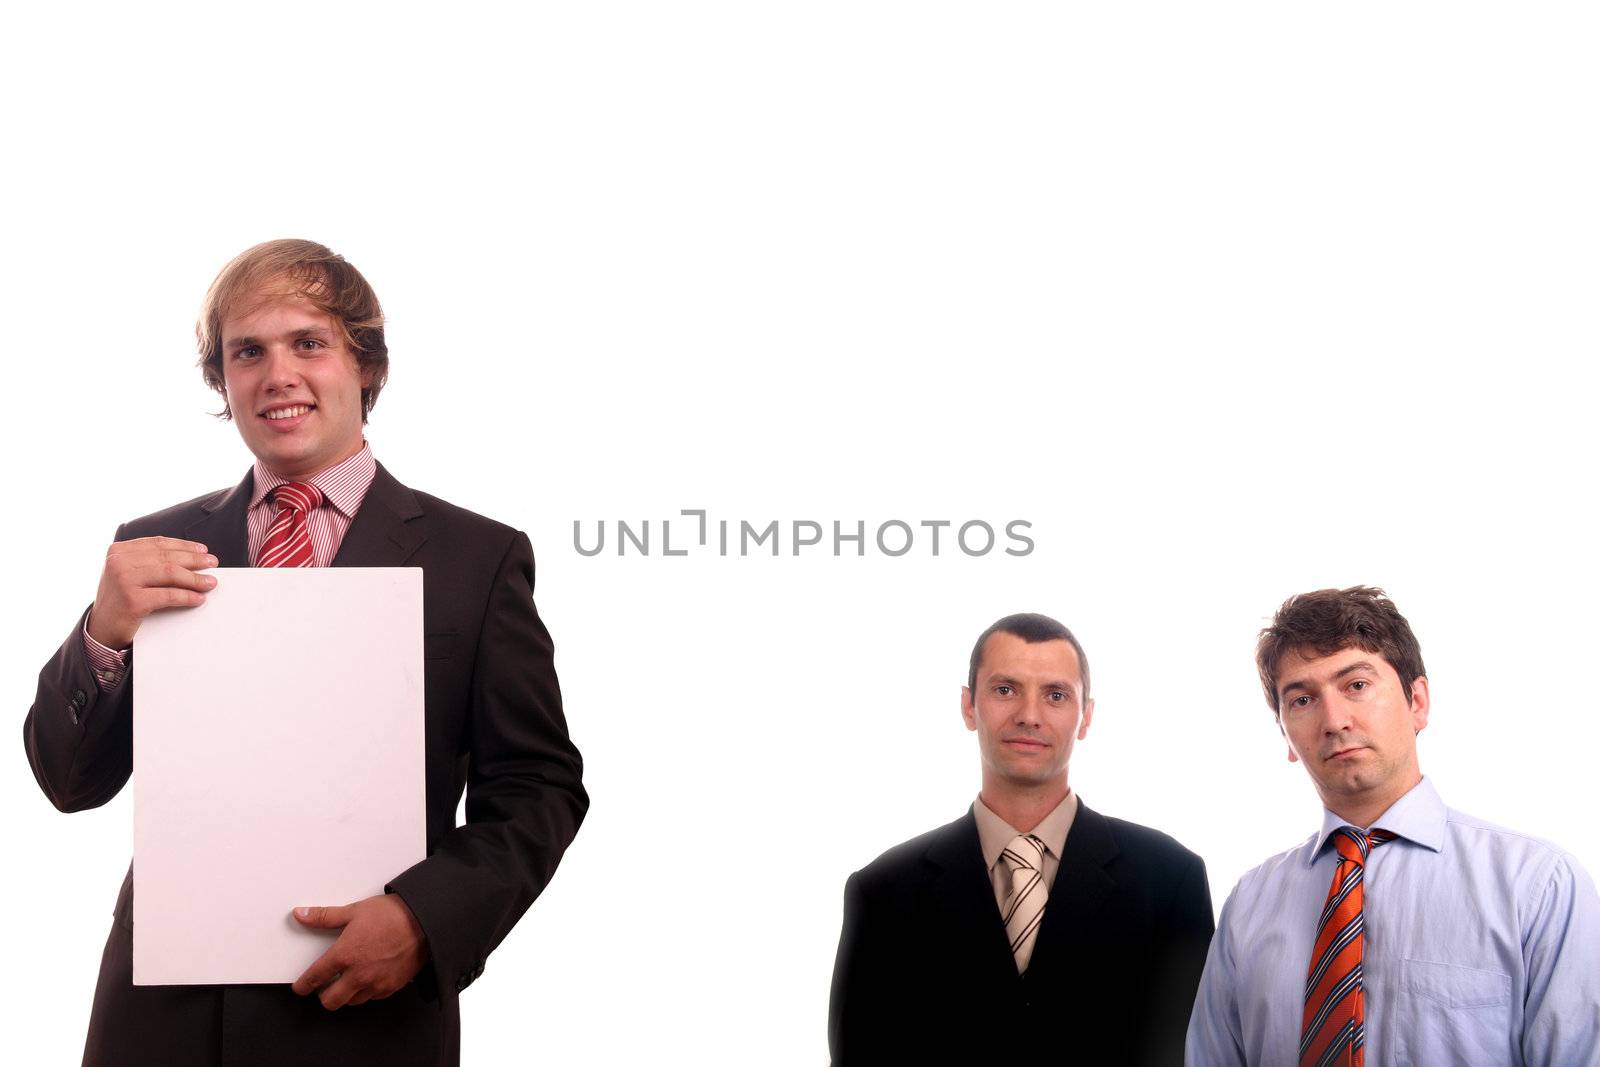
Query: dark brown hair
<point x="296" y="268"/>
<point x="1032" y="629"/>
<point x="1332" y="620"/>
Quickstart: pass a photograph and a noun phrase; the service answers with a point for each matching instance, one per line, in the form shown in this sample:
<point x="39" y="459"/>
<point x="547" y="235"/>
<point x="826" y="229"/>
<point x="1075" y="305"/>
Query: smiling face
<point x="293" y="384"/>
<point x="1347" y="718"/>
<point x="1027" y="709"/>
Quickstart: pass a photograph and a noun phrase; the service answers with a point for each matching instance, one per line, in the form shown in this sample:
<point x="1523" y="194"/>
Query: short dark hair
<point x="1032" y="629"/>
<point x="1332" y="620"/>
<point x="297" y="268"/>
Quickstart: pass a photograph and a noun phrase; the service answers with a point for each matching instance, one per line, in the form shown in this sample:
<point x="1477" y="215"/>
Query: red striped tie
<point x="1333" y="1027"/>
<point x="288" y="542"/>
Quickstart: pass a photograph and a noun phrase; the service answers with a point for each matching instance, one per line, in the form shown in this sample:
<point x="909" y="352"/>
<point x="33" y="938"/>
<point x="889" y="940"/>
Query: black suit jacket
<point x="925" y="973"/>
<point x="494" y="726"/>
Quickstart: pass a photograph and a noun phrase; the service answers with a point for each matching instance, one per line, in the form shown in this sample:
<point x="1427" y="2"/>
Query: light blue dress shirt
<point x="1482" y="948"/>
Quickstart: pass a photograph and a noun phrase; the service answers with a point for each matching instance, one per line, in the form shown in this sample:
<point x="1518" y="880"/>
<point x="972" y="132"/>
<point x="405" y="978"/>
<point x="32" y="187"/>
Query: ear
<point x="1420" y="703"/>
<point x="1292" y="757"/>
<point x="1088" y="713"/>
<point x="969" y="714"/>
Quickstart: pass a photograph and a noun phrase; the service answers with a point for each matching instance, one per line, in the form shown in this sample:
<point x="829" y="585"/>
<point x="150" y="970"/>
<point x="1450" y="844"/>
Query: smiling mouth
<point x="288" y="413"/>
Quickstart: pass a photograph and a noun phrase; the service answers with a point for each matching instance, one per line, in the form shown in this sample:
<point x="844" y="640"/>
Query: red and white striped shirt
<point x="343" y="486"/>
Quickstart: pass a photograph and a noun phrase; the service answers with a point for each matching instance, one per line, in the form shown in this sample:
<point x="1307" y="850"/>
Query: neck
<point x="1362" y="811"/>
<point x="307" y="475"/>
<point x="1023" y="807"/>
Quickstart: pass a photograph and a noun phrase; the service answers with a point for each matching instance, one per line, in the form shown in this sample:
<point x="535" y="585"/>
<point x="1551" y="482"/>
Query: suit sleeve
<point x="854" y="1016"/>
<point x="1187" y="935"/>
<point x="79" y="738"/>
<point x="525" y="796"/>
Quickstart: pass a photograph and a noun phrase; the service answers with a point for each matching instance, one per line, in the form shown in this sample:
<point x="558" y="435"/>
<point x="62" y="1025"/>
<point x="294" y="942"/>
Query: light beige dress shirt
<point x="994" y="834"/>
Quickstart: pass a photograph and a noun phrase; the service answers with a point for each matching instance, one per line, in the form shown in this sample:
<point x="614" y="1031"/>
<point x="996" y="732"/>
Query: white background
<point x="1229" y="301"/>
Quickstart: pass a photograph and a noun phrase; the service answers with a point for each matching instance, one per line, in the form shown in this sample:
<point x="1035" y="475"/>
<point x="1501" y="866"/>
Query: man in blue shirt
<point x="1403" y="932"/>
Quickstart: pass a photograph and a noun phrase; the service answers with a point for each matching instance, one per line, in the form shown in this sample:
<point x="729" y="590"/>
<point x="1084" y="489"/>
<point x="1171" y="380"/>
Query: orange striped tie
<point x="1333" y="1026"/>
<point x="288" y="542"/>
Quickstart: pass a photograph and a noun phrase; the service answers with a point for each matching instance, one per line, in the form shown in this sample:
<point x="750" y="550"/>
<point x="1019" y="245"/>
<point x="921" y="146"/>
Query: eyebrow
<point x="1343" y="672"/>
<point x="293" y="335"/>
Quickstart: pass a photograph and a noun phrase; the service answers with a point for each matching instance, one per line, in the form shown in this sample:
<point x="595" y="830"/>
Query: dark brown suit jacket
<point x="925" y="973"/>
<point x="494" y="726"/>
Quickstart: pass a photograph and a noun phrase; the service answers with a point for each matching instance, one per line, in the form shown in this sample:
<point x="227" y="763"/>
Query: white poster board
<point x="277" y="762"/>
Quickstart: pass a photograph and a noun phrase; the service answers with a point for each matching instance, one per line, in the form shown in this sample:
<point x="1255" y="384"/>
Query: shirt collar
<point x="1418" y="816"/>
<point x="994" y="833"/>
<point x="343" y="485"/>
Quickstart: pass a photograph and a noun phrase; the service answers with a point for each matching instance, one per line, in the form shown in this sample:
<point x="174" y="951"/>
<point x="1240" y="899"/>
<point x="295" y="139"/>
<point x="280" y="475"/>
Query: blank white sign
<point x="277" y="762"/>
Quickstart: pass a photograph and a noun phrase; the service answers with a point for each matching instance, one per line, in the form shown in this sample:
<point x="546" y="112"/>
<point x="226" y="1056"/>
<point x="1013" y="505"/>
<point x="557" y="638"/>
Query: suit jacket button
<point x="80" y="698"/>
<point x="72" y="713"/>
<point x="462" y="982"/>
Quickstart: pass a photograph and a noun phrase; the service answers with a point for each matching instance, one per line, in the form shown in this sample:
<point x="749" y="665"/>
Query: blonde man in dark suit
<point x="292" y="337"/>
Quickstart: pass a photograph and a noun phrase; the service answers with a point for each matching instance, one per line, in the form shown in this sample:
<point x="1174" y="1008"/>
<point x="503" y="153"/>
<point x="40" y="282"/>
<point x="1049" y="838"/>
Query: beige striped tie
<point x="1025" y="906"/>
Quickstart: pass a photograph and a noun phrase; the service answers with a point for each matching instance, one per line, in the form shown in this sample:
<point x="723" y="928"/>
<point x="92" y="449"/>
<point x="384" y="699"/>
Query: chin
<point x="1034" y="775"/>
<point x="1353" y="786"/>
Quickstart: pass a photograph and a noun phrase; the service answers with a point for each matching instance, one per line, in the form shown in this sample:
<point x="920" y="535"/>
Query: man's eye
<point x="1359" y="684"/>
<point x="1002" y="690"/>
<point x="310" y="343"/>
<point x="248" y="352"/>
<point x="1299" y="702"/>
<point x="1058" y="696"/>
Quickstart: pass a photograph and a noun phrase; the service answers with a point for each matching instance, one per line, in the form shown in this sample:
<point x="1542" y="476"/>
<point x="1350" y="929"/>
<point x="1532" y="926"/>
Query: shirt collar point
<point x="1418" y="816"/>
<point x="343" y="485"/>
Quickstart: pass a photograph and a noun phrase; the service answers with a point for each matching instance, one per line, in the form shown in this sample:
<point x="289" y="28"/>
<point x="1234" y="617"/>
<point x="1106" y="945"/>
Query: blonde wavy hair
<point x="292" y="267"/>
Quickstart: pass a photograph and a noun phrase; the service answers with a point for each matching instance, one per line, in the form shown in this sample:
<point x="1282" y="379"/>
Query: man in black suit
<point x="292" y="337"/>
<point x="1032" y="929"/>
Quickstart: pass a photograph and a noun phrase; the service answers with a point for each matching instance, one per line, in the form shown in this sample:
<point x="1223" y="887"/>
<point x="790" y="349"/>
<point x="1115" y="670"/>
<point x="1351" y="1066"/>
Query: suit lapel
<point x="220" y="525"/>
<point x="383" y="534"/>
<point x="1071" y="914"/>
<point x="973" y="932"/>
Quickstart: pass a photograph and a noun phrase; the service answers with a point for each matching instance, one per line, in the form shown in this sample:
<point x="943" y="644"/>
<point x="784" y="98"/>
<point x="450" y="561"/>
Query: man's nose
<point x="1337" y="714"/>
<point x="1030" y="712"/>
<point x="282" y="371"/>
